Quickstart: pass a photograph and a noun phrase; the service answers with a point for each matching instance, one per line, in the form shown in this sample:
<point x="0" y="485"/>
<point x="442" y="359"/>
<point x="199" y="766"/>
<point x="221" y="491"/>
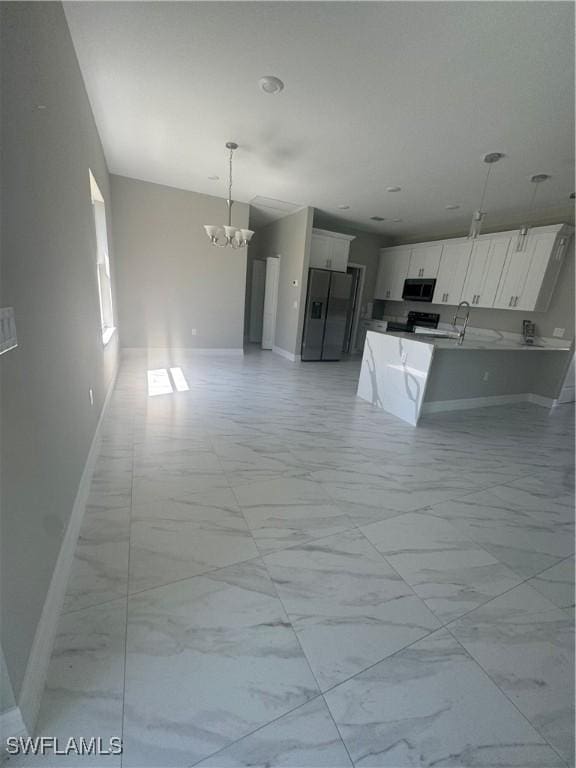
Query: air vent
<point x="377" y="218"/>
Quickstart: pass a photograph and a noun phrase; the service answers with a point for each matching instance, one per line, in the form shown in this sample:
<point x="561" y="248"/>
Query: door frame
<point x="274" y="298"/>
<point x="358" y="308"/>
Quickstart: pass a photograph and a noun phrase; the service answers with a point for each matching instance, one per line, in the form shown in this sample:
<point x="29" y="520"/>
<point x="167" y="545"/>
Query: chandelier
<point x="479" y="215"/>
<point x="226" y="235"/>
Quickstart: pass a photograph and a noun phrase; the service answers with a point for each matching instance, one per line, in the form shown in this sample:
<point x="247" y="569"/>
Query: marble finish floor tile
<point x="166" y="550"/>
<point x="84" y="688"/>
<point x="526" y="645"/>
<point x="99" y="571"/>
<point x="432" y="705"/>
<point x="508" y="523"/>
<point x="280" y="526"/>
<point x="349" y="608"/>
<point x="557" y="584"/>
<point x="306" y="737"/>
<point x="209" y="660"/>
<point x="276" y="528"/>
<point x="449" y="572"/>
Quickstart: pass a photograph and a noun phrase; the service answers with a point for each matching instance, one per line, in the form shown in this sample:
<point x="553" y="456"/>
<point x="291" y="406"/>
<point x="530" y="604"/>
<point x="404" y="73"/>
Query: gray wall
<point x="170" y="279"/>
<point x="460" y="373"/>
<point x="48" y="274"/>
<point x="290" y="238"/>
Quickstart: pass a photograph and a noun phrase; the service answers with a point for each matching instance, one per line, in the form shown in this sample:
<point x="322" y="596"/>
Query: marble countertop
<point x="494" y="342"/>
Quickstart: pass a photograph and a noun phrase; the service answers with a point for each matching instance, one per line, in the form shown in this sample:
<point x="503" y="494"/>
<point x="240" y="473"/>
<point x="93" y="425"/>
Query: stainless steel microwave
<point x="419" y="289"/>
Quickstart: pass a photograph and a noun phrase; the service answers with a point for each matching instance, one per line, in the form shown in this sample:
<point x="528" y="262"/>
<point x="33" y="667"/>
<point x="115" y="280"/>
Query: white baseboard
<point x="284" y="353"/>
<point x="465" y="403"/>
<point x="143" y="351"/>
<point x="545" y="402"/>
<point x="39" y="659"/>
<point x="11" y="724"/>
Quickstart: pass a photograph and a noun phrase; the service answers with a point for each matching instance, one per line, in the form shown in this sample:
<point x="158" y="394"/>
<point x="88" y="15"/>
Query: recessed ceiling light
<point x="213" y="178"/>
<point x="377" y="218"/>
<point x="393" y="189"/>
<point x="270" y="84"/>
<point x="452" y="206"/>
<point x="396" y="221"/>
<point x="344" y="207"/>
<point x="41" y="106"/>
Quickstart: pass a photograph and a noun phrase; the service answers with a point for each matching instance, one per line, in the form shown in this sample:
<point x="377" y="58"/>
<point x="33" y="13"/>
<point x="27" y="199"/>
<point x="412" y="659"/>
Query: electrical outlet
<point x="559" y="332"/>
<point x="193" y="331"/>
<point x="91" y="395"/>
<point x="486" y="376"/>
<point x="404" y="357"/>
<point x="295" y="305"/>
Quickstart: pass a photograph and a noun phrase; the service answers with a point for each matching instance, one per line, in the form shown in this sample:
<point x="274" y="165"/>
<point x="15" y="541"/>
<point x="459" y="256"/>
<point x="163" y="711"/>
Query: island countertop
<point x="407" y="374"/>
<point x="495" y="341"/>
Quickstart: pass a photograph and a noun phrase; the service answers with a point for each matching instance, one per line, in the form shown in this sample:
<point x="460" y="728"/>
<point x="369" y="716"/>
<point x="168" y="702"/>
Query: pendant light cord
<point x="485" y="187"/>
<point x="230" y="189"/>
<point x="531" y="206"/>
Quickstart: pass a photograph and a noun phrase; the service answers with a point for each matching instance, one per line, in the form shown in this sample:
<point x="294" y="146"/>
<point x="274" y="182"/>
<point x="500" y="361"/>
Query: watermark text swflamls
<point x="52" y="745"/>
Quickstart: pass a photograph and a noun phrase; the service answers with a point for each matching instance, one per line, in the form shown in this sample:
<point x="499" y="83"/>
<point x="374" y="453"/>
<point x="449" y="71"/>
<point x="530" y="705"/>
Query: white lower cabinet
<point x="452" y="273"/>
<point x="485" y="270"/>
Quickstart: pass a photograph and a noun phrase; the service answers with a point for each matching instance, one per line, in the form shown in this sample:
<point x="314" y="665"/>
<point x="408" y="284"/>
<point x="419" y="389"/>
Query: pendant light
<point x="522" y="238"/>
<point x="226" y="235"/>
<point x="479" y="215"/>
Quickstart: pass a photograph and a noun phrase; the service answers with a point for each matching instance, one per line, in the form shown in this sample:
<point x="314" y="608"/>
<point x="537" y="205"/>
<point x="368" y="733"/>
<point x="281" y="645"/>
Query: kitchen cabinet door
<point x="452" y="273"/>
<point x="514" y="277"/>
<point x="425" y="260"/>
<point x="392" y="271"/>
<point x="484" y="271"/>
<point x="320" y="252"/>
<point x="540" y="248"/>
<point x="328" y="252"/>
<point x="340" y="250"/>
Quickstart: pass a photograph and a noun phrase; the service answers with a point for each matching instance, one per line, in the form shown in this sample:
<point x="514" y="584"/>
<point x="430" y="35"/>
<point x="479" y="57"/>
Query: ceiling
<point x="376" y="94"/>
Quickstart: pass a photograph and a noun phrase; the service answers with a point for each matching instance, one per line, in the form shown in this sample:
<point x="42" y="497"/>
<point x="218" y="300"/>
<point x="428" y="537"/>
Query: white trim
<point x="545" y="402"/>
<point x="39" y="659"/>
<point x="358" y="310"/>
<point x="284" y="353"/>
<point x="135" y="351"/>
<point x="465" y="403"/>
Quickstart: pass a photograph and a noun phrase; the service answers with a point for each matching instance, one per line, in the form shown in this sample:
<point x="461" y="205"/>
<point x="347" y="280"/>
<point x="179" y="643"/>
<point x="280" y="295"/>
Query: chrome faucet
<point x="465" y="317"/>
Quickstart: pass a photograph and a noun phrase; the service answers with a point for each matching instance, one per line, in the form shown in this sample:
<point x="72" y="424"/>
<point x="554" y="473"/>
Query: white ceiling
<point x="377" y="94"/>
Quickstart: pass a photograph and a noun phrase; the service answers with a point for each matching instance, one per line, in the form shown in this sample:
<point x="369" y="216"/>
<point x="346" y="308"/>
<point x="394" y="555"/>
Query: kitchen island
<point x="408" y="375"/>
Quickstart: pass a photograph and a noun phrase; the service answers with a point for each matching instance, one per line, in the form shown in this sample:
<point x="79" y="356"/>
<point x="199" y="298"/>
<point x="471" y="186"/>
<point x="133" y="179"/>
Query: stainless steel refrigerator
<point x="327" y="305"/>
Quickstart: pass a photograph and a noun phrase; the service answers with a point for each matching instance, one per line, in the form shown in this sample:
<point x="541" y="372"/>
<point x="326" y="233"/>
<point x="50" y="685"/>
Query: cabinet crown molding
<point x="337" y="235"/>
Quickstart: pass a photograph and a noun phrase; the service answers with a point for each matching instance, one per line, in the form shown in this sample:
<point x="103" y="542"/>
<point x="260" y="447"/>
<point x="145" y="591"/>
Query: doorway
<point x="357" y="271"/>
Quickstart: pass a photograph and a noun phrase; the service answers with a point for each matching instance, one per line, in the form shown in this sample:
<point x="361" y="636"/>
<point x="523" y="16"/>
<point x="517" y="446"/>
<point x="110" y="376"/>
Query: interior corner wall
<point x="170" y="280"/>
<point x="289" y="238"/>
<point x="49" y="275"/>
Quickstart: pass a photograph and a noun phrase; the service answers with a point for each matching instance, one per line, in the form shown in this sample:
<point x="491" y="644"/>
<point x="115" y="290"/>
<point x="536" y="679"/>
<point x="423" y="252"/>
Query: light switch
<point x="7" y="329"/>
<point x="559" y="332"/>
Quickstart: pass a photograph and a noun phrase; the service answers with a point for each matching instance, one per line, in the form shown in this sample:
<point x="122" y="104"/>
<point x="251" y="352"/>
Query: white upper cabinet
<point x="484" y="271"/>
<point x="329" y="250"/>
<point x="392" y="271"/>
<point x="425" y="260"/>
<point x="529" y="276"/>
<point x="452" y="272"/>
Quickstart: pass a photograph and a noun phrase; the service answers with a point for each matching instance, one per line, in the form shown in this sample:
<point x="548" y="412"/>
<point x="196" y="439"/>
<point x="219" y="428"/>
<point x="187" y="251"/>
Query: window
<point x="103" y="262"/>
